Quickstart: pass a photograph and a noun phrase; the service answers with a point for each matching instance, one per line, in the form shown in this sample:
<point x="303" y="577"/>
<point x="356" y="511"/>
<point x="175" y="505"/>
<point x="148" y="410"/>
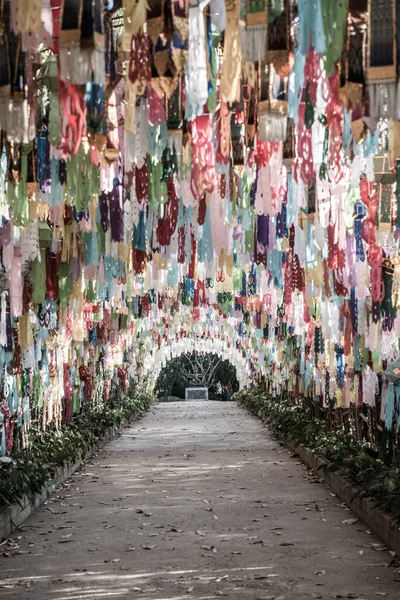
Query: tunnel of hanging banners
<point x="199" y="176"/>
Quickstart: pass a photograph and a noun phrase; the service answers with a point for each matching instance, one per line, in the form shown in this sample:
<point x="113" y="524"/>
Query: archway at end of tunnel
<point x="196" y="375"/>
<point x="214" y="365"/>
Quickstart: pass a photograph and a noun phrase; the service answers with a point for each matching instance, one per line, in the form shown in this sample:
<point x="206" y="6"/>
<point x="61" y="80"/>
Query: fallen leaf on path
<point x="350" y="521"/>
<point x="379" y="547"/>
<point x="286" y="544"/>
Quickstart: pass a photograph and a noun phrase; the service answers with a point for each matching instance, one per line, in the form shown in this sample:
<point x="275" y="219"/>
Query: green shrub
<point x="33" y="467"/>
<point x="352" y="458"/>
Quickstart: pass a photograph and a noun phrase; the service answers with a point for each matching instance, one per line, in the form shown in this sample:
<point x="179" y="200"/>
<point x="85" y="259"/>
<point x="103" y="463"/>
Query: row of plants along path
<point x="356" y="461"/>
<point x="27" y="470"/>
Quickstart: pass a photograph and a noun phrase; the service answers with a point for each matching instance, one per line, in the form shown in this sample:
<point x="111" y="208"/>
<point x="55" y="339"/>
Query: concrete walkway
<point x="195" y="501"/>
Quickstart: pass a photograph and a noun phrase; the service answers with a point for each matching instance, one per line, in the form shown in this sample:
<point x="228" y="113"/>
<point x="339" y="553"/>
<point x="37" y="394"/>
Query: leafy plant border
<point x="33" y="467"/>
<point x="353" y="459"/>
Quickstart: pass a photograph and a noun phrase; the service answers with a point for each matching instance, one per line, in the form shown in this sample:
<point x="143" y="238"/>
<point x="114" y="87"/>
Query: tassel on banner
<point x="82" y="42"/>
<point x="381" y="68"/>
<point x="254" y="32"/>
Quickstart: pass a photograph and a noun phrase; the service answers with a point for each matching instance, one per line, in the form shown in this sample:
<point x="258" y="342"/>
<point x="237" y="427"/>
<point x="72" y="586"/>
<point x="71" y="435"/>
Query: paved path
<point x="195" y="501"/>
